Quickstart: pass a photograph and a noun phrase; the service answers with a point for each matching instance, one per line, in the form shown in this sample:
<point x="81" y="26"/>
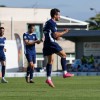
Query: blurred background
<point x="82" y="45"/>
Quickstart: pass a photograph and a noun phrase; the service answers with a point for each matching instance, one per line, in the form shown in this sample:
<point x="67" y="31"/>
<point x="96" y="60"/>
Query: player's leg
<point x="3" y="63"/>
<point x="31" y="65"/>
<point x="28" y="71"/>
<point x="49" y="65"/>
<point x="49" y="69"/>
<point x="29" y="68"/>
<point x="62" y="54"/>
<point x="27" y="74"/>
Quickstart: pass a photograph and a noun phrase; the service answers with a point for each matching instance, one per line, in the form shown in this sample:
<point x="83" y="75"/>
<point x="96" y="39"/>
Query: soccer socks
<point x="28" y="71"/>
<point x="63" y="63"/>
<point x="3" y="71"/>
<point x="49" y="69"/>
<point x="31" y="73"/>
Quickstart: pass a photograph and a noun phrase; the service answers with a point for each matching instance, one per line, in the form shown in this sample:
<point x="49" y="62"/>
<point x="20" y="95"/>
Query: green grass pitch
<point x="76" y="88"/>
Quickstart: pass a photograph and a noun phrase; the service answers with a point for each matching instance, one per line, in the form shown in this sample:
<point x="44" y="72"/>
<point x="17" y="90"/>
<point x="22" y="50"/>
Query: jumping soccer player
<point x="2" y="54"/>
<point x="30" y="40"/>
<point x="51" y="47"/>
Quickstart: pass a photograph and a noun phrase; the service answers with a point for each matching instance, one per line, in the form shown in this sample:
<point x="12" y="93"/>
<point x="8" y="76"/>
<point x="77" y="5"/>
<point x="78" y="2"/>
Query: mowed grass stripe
<point x="76" y="88"/>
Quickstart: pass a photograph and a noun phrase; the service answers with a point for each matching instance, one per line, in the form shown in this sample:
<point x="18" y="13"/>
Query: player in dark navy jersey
<point x="51" y="46"/>
<point x="2" y="54"/>
<point x="30" y="40"/>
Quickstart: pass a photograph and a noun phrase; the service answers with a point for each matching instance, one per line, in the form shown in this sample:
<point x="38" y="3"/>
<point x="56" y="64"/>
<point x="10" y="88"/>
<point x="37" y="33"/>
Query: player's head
<point x="2" y="31"/>
<point x="55" y="14"/>
<point x="31" y="28"/>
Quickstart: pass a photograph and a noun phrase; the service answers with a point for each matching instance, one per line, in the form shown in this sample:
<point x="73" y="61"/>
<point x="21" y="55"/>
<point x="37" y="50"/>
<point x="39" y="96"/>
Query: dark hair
<point x="2" y="28"/>
<point x="30" y="26"/>
<point x="54" y="12"/>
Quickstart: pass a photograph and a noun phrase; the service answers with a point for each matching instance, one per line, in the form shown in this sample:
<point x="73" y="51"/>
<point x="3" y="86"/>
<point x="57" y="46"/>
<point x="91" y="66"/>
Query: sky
<point x="77" y="9"/>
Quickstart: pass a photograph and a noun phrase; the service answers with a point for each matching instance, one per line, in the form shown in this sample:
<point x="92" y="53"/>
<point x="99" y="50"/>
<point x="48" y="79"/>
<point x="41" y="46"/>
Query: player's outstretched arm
<point x="59" y="34"/>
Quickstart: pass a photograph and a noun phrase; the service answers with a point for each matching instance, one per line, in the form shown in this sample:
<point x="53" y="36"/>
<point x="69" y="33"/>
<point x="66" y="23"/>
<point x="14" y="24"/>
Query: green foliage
<point x="94" y="22"/>
<point x="2" y="5"/>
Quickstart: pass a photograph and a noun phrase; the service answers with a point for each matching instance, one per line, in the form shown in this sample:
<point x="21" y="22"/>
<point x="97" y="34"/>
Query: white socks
<point x="3" y="78"/>
<point x="49" y="78"/>
<point x="65" y="72"/>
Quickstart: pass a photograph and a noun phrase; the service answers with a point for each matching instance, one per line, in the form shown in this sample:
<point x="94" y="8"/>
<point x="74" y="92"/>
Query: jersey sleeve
<point x="4" y="38"/>
<point x="4" y="42"/>
<point x="36" y="37"/>
<point x="25" y="37"/>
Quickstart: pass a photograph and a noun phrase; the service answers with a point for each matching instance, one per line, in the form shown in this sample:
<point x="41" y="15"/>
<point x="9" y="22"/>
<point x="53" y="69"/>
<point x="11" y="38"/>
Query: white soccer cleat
<point x="4" y="81"/>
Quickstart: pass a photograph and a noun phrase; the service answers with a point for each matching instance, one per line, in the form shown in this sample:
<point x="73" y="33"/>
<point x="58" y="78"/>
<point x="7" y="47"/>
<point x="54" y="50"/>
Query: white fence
<point x="11" y="56"/>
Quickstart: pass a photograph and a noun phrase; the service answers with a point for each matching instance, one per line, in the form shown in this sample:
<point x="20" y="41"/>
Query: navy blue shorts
<point x="2" y="57"/>
<point x="31" y="58"/>
<point x="51" y="49"/>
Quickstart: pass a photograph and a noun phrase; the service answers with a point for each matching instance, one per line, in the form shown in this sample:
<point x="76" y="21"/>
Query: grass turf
<point x="76" y="88"/>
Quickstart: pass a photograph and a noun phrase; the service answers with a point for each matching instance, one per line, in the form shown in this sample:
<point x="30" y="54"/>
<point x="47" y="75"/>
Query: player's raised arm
<point x="53" y="28"/>
<point x="59" y="34"/>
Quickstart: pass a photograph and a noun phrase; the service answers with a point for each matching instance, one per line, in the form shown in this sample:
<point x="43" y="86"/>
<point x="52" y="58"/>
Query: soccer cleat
<point x="68" y="75"/>
<point x="50" y="83"/>
<point x="31" y="81"/>
<point x="27" y="79"/>
<point x="4" y="81"/>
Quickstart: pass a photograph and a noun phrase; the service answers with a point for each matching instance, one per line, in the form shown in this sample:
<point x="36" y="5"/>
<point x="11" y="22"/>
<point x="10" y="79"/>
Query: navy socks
<point x="49" y="69"/>
<point x="63" y="63"/>
<point x="3" y="71"/>
<point x="31" y="73"/>
<point x="28" y="71"/>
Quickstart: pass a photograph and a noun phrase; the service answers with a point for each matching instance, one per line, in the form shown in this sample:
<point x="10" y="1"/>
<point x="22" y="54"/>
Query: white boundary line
<point x="43" y="74"/>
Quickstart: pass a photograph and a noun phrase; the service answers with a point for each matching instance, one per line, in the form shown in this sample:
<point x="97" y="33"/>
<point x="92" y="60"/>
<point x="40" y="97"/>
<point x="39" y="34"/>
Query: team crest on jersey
<point x="25" y="37"/>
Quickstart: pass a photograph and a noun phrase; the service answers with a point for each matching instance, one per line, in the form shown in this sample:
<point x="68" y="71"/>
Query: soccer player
<point x="2" y="54"/>
<point x="51" y="46"/>
<point x="30" y="40"/>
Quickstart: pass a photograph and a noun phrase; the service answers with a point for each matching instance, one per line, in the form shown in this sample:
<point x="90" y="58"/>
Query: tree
<point x="3" y="6"/>
<point x="94" y="22"/>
